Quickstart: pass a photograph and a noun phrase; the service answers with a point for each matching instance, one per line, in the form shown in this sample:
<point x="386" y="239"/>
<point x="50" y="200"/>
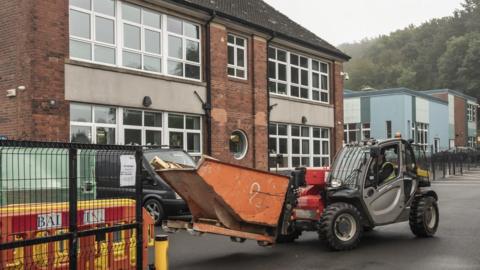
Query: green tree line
<point x="441" y="53"/>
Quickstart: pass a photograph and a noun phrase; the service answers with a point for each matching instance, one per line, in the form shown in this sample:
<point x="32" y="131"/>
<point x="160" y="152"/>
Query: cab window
<point x="409" y="159"/>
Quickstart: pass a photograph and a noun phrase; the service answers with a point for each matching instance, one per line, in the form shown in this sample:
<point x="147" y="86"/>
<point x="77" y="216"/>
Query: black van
<point x="158" y="198"/>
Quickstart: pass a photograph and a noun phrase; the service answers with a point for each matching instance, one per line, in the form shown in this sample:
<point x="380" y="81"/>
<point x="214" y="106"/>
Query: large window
<point x="237" y="57"/>
<point x="421" y="136"/>
<point x="127" y="35"/>
<point x="298" y="76"/>
<point x="294" y="146"/>
<point x="356" y="132"/>
<point x="111" y="125"/>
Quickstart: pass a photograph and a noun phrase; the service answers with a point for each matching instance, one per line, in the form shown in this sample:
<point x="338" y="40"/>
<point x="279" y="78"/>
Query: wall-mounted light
<point x="52" y="103"/>
<point x="11" y="92"/>
<point x="304" y="120"/>
<point x="345" y="75"/>
<point x="147" y="101"/>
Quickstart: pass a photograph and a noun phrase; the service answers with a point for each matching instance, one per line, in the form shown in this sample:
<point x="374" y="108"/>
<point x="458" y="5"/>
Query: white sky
<point x="340" y="21"/>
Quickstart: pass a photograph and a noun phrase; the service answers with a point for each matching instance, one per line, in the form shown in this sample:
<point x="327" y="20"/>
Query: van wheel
<point x="155" y="209"/>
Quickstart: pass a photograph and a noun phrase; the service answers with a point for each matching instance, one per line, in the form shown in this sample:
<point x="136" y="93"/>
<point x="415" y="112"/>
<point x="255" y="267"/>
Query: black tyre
<point x="424" y="216"/>
<point x="155" y="209"/>
<point x="341" y="226"/>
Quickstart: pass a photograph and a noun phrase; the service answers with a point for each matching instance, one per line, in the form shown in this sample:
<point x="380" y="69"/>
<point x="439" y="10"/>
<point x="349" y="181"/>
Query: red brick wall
<point x="461" y="131"/>
<point x="337" y="101"/>
<point x="33" y="48"/>
<point x="239" y="104"/>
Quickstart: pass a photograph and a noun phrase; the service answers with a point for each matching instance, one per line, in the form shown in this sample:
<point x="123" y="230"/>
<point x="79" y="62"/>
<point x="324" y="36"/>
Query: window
<point x="109" y="125"/>
<point x="294" y="146"/>
<point x="471" y="112"/>
<point x="183" y="49"/>
<point x="350" y="132"/>
<point x="237" y="56"/>
<point x="298" y="76"/>
<point x="366" y="131"/>
<point x="238" y="144"/>
<point x="93" y="124"/>
<point x="472" y="141"/>
<point x="142" y="48"/>
<point x="421" y="136"/>
<point x="389" y="129"/>
<point x="122" y="34"/>
<point x="92" y="30"/>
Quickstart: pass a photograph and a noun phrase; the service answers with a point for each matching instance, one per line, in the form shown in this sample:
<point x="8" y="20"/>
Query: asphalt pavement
<point x="455" y="246"/>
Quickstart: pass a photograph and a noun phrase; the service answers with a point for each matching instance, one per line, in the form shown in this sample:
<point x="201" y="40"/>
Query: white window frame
<point x="365" y="129"/>
<point x="311" y="156"/>
<point x="347" y="130"/>
<point x="185" y="132"/>
<point x="93" y="125"/>
<point x="236" y="48"/>
<point x="422" y="134"/>
<point x="143" y="129"/>
<point x="92" y="41"/>
<point x="288" y="81"/>
<point x="119" y="42"/>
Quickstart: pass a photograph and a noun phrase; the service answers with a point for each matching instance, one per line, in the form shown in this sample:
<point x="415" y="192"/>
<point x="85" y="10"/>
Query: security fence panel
<point x="71" y="206"/>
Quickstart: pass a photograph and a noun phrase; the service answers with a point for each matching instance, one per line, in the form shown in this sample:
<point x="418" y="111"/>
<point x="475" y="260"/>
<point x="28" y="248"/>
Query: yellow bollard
<point x="161" y="250"/>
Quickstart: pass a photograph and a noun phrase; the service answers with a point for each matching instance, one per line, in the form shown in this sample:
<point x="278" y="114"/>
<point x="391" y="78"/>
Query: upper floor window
<point x="471" y="112"/>
<point x="127" y="35"/>
<point x="237" y="56"/>
<point x="298" y="76"/>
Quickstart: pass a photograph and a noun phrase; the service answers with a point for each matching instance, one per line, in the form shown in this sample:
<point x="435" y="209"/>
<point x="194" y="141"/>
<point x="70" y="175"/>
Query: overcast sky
<point x="340" y="21"/>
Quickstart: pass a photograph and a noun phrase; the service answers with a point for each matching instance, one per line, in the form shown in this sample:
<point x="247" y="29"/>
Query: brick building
<point x="234" y="79"/>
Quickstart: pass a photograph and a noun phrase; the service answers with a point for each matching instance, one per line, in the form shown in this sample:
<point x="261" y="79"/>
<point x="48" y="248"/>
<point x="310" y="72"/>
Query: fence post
<point x="432" y="163"/>
<point x="72" y="194"/>
<point x="139" y="208"/>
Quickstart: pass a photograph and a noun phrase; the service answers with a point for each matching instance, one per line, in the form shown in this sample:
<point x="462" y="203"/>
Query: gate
<point x="57" y="211"/>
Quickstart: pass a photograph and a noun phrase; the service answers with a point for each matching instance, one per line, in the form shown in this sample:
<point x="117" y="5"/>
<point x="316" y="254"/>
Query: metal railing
<point x="70" y="206"/>
<point x="448" y="163"/>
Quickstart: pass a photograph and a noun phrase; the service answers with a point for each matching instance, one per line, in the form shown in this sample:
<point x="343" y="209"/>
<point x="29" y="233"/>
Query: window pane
<point x="175" y="68"/>
<point x="295" y="131"/>
<point x="316" y="132"/>
<point x="294" y="59"/>
<point x="324" y="82"/>
<point x="175" y="48"/>
<point x="325" y="133"/>
<point x="132" y="60"/>
<point x="315" y="65"/>
<point x="231" y="55"/>
<point x="305" y="77"/>
<point x="282" y="55"/>
<point x="305" y="161"/>
<point x="294" y="75"/>
<point x="271" y="53"/>
<point x="174" y="25"/>
<point x="315" y="80"/>
<point x="79" y="24"/>
<point x="192" y="122"/>
<point x="282" y="88"/>
<point x="282" y="72"/>
<point x="305" y="132"/>
<point x="231" y="71"/>
<point x="231" y="39"/>
<point x="295" y="146"/>
<point x="193" y="51"/>
<point x="175" y="121"/>
<point x="131" y="13"/>
<point x="104" y="30"/>
<point x="105" y="6"/>
<point x="105" y="115"/>
<point x="272" y="87"/>
<point x="152" y="64"/>
<point x="282" y="130"/>
<point x="240" y="42"/>
<point x="325" y="148"/>
<point x="133" y="136"/>
<point x="305" y="147"/>
<point x="272" y="145"/>
<point x="81" y="134"/>
<point x="105" y="54"/>
<point x="240" y="73"/>
<point x="240" y="58"/>
<point x="81" y="4"/>
<point x="323" y="67"/>
<point x="132" y="117"/>
<point x="272" y="70"/>
<point x="316" y="147"/>
<point x="176" y="140"/>
<point x="294" y="91"/>
<point x="153" y="137"/>
<point x="324" y="97"/>
<point x="304" y="93"/>
<point x="315" y="95"/>
<point x="272" y="129"/>
<point x="152" y="41"/>
<point x="105" y="135"/>
<point x="304" y="62"/>
<point x="192" y="71"/>
<point x="131" y="37"/>
<point x="80" y="113"/>
<point x="151" y="19"/>
<point x="80" y="50"/>
<point x="295" y="162"/>
<point x="282" y="143"/>
<point x="317" y="162"/>
<point x="152" y="119"/>
<point x="193" y="142"/>
<point x="191" y="30"/>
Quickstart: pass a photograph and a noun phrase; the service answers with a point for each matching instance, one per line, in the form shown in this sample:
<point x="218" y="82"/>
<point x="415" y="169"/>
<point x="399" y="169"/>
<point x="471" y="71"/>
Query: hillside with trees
<point x="441" y="53"/>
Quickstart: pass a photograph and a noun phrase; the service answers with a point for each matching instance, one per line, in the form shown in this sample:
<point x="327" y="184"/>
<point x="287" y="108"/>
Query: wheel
<point x="155" y="209"/>
<point x="341" y="226"/>
<point x="424" y="216"/>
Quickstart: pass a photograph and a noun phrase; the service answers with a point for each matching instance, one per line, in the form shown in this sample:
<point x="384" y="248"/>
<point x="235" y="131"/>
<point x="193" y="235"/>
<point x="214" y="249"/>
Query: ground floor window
<point x="355" y="132"/>
<point x="292" y="146"/>
<point x="472" y="141"/>
<point x="421" y="135"/>
<point x="116" y="125"/>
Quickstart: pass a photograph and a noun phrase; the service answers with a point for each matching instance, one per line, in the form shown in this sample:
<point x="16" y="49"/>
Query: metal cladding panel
<point x="365" y="109"/>
<point x="352" y="110"/>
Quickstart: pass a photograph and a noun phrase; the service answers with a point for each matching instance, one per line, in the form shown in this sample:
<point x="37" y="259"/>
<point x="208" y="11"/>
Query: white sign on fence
<point x="49" y="221"/>
<point x="94" y="216"/>
<point x="128" y="170"/>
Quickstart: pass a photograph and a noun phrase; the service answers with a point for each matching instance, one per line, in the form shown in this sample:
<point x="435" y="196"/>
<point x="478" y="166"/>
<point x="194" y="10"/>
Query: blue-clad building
<point x="380" y="114"/>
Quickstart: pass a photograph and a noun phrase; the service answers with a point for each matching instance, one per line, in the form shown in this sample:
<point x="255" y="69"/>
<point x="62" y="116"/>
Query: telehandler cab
<point x="369" y="184"/>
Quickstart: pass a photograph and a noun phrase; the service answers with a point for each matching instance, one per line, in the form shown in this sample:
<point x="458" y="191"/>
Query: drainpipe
<point x="269" y="107"/>
<point x="207" y="106"/>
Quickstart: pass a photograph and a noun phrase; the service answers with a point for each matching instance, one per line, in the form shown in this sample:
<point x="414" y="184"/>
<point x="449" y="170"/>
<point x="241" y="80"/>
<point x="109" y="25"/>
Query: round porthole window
<point x="238" y="144"/>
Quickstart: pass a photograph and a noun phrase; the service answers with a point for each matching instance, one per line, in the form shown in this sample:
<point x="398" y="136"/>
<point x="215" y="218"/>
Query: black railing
<point x="448" y="163"/>
<point x="74" y="206"/>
